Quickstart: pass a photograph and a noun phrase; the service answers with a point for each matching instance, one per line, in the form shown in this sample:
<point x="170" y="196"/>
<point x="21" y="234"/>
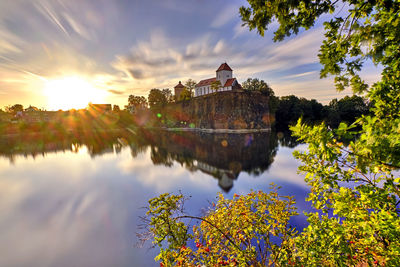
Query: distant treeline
<point x="288" y="109"/>
<point x="146" y="112"/>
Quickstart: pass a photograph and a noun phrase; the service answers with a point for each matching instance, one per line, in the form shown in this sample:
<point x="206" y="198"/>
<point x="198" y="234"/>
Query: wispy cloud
<point x="68" y="20"/>
<point x="161" y="58"/>
<point x="226" y="14"/>
<point x="51" y="15"/>
<point x="9" y="42"/>
<point x="116" y="92"/>
<point x="300" y="74"/>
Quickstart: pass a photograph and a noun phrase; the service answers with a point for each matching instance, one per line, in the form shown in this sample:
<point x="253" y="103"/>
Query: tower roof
<point x="224" y="66"/>
<point x="179" y="85"/>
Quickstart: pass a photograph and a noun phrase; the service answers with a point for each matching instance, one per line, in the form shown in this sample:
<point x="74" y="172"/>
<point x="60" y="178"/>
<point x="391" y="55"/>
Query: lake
<point x="75" y="200"/>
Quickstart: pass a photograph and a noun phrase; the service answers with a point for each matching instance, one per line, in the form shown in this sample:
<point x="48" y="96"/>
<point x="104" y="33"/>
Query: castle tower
<point x="178" y="90"/>
<point x="224" y="72"/>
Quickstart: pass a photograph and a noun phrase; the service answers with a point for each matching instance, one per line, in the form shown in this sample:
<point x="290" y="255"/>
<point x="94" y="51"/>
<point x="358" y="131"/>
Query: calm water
<point x="76" y="200"/>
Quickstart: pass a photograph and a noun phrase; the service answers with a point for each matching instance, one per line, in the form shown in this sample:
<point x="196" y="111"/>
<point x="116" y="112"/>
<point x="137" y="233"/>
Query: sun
<point x="71" y="93"/>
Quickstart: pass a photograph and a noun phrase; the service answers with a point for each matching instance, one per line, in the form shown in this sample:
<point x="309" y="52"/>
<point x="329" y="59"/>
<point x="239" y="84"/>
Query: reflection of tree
<point x="96" y="142"/>
<point x="160" y="156"/>
<point x="286" y="139"/>
<point x="222" y="156"/>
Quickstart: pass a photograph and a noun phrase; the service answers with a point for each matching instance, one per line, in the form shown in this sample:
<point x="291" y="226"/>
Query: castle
<point x="223" y="75"/>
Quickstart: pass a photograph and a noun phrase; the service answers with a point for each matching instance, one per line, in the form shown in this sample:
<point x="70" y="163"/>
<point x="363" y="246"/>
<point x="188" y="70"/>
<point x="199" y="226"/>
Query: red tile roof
<point x="229" y="82"/>
<point x="206" y="82"/>
<point x="224" y="66"/>
<point x="179" y="85"/>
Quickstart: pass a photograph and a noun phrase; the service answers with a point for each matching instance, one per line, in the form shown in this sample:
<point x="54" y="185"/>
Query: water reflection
<point x="74" y="199"/>
<point x="222" y="156"/>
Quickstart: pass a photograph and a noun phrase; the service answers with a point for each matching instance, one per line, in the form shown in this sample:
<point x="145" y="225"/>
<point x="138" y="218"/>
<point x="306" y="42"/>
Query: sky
<point x="64" y="53"/>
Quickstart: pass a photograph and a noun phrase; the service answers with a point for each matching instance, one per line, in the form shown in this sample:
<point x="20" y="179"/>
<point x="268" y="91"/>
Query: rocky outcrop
<point x="222" y="110"/>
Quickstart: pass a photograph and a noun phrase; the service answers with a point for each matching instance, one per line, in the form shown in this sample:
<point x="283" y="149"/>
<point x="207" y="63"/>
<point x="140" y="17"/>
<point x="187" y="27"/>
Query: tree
<point x="216" y="85"/>
<point x="157" y="99"/>
<point x="347" y="109"/>
<point x="185" y="95"/>
<point x="136" y="103"/>
<point x="226" y="234"/>
<point x="258" y="85"/>
<point x="365" y="227"/>
<point x="190" y="85"/>
<point x="116" y="108"/>
<point x="291" y="108"/>
<point x="168" y="95"/>
<point x="15" y="108"/>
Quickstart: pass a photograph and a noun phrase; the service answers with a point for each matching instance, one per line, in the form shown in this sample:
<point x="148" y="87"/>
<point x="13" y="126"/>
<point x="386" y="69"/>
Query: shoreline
<point x="207" y="130"/>
<point x="131" y="129"/>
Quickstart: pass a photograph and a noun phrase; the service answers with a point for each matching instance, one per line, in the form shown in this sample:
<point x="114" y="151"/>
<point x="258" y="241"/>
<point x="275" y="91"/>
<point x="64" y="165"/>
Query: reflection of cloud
<point x="177" y="177"/>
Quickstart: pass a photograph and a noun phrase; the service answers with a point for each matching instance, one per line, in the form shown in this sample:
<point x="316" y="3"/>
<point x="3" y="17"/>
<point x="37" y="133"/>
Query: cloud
<point x="240" y="30"/>
<point x="300" y="74"/>
<point x="291" y="66"/>
<point x="225" y="15"/>
<point x="51" y="15"/>
<point x="77" y="27"/>
<point x="9" y="42"/>
<point x="115" y="92"/>
<point x="161" y="60"/>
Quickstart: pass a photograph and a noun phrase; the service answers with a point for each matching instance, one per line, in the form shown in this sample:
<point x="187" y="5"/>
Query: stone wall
<point x="222" y="110"/>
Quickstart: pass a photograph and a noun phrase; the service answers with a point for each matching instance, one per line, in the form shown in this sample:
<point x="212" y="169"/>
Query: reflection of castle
<point x="222" y="156"/>
<point x="225" y="177"/>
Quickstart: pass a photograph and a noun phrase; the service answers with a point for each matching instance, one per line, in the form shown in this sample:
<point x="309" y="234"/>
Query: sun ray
<point x="71" y="93"/>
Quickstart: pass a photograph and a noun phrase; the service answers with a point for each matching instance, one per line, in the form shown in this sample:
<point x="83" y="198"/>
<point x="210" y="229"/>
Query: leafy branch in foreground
<point x="252" y="229"/>
<point x="357" y="201"/>
<point x="355" y="188"/>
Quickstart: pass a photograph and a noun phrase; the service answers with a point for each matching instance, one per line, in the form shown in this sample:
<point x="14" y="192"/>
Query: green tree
<point x="291" y="108"/>
<point x="254" y="84"/>
<point x="116" y="108"/>
<point x="365" y="228"/>
<point x="14" y="108"/>
<point x="190" y="85"/>
<point x="250" y="230"/>
<point x="185" y="95"/>
<point x="136" y="103"/>
<point x="216" y="85"/>
<point x="347" y="109"/>
<point x="168" y="95"/>
<point x="157" y="99"/>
